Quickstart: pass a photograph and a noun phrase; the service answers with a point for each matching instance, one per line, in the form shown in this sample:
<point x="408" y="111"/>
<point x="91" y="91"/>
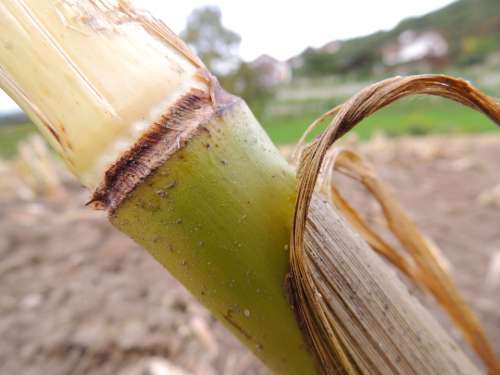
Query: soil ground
<point x="77" y="297"/>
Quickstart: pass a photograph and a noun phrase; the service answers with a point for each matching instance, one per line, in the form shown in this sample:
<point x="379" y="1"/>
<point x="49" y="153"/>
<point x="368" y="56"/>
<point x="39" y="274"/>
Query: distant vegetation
<point x="287" y="96"/>
<point x="462" y="39"/>
<point x="470" y="27"/>
<point x="218" y="47"/>
<point x="414" y="116"/>
<point x="10" y="135"/>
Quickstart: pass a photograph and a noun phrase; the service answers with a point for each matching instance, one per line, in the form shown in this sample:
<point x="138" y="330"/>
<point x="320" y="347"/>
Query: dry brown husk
<point x="419" y="263"/>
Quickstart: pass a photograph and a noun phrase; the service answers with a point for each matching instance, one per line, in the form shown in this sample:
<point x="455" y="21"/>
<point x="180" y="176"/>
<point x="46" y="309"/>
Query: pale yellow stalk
<point x="91" y="76"/>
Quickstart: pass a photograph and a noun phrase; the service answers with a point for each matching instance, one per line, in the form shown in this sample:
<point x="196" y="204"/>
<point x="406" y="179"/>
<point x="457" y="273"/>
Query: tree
<point x="317" y="62"/>
<point x="246" y="82"/>
<point x="216" y="45"/>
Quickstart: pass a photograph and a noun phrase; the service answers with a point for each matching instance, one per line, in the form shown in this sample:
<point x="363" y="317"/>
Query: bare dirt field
<point x="77" y="297"/>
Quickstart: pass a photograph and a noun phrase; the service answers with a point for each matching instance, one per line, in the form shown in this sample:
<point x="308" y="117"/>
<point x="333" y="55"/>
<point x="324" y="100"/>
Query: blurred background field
<point x="10" y="136"/>
<point x="461" y="39"/>
<point x="76" y="297"/>
<point x="289" y="118"/>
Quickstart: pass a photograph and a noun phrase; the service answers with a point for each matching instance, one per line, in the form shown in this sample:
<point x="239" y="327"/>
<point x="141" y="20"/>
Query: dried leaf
<point x="315" y="316"/>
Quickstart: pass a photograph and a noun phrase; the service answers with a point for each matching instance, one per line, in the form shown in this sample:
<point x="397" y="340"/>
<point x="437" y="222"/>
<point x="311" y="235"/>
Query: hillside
<point x="471" y="29"/>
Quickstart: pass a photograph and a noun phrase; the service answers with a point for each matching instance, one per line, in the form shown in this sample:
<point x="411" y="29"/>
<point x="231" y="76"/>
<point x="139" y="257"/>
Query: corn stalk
<point x="185" y="170"/>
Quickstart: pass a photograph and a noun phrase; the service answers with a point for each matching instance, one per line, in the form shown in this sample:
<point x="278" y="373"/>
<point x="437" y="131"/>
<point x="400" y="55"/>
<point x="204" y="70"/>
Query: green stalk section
<point x="217" y="215"/>
<point x="117" y="93"/>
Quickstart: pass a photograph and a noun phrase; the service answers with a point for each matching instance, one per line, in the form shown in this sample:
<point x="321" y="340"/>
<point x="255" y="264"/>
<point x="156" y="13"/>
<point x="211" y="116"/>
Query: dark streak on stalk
<point x="54" y="133"/>
<point x="183" y="120"/>
<point x="229" y="319"/>
<point x="68" y="143"/>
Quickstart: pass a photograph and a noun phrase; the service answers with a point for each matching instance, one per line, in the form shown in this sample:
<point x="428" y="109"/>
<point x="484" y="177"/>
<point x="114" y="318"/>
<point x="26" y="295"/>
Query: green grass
<point x="416" y="116"/>
<point x="10" y="135"/>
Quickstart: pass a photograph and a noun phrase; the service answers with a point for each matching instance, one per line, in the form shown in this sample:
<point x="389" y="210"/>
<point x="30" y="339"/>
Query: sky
<point x="285" y="28"/>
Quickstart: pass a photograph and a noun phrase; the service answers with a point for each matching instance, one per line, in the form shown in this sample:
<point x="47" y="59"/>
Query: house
<point x="412" y="47"/>
<point x="272" y="72"/>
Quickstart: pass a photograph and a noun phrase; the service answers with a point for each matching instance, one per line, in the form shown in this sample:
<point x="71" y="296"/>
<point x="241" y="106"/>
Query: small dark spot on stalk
<point x="223" y="162"/>
<point x="147" y="206"/>
<point x="178" y="221"/>
<point x="162" y="193"/>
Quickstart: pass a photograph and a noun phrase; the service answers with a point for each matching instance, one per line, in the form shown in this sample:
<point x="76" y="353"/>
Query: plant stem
<point x="186" y="171"/>
<point x="217" y="216"/>
<point x="181" y="167"/>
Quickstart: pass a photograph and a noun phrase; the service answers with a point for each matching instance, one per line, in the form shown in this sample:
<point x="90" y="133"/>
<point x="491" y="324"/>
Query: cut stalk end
<point x="103" y="74"/>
